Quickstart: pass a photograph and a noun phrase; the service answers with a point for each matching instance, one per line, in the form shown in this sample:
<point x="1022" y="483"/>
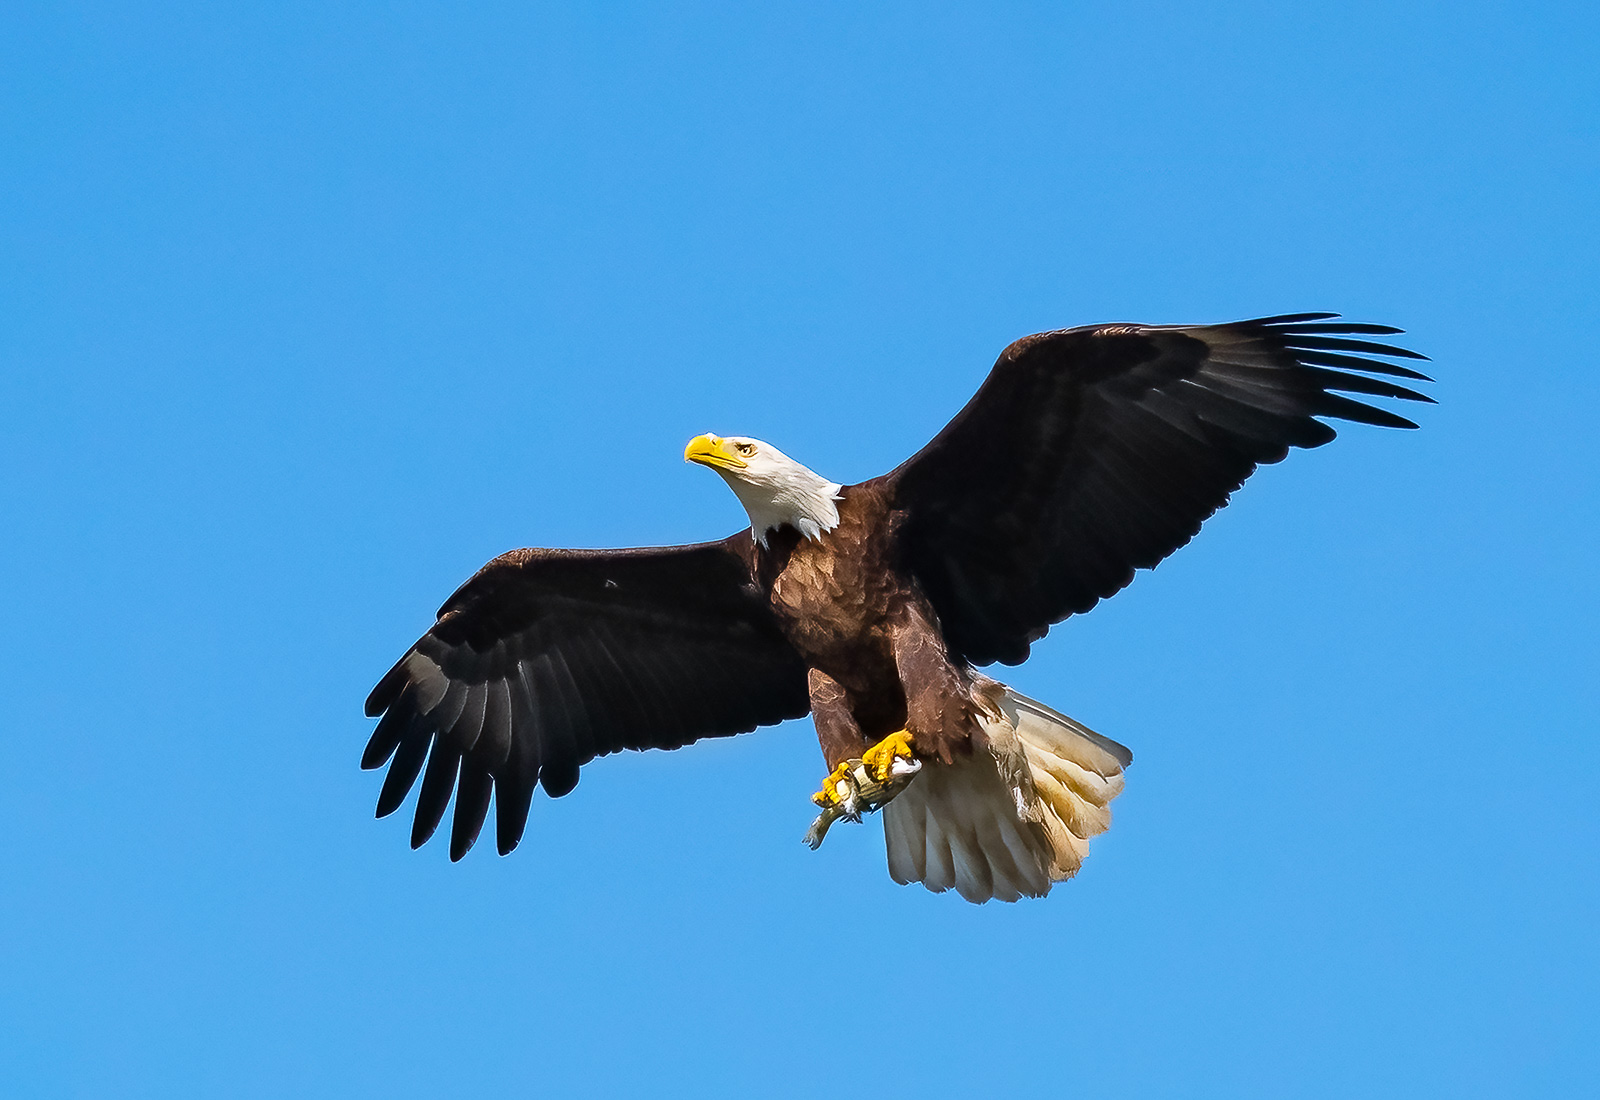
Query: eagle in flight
<point x="1087" y="454"/>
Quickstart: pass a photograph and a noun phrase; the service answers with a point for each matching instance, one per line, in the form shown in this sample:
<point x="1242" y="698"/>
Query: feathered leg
<point x="940" y="712"/>
<point x="837" y="732"/>
<point x="841" y="739"/>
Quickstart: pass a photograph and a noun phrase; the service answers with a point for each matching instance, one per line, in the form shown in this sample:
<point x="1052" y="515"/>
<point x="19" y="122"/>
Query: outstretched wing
<point x="1091" y="452"/>
<point x="548" y="658"/>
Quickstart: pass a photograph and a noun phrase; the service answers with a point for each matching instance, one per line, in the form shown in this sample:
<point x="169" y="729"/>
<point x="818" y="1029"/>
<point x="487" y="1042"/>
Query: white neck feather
<point x="788" y="493"/>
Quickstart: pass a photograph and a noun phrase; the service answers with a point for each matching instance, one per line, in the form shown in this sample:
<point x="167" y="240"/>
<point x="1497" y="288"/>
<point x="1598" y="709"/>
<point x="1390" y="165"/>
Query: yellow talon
<point x="829" y="794"/>
<point x="880" y="758"/>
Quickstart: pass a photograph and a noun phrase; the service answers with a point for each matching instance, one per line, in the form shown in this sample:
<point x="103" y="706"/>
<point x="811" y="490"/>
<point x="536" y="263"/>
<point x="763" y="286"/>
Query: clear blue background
<point x="306" y="310"/>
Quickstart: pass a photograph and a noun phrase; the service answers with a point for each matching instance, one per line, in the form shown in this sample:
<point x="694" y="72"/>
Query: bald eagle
<point x="1087" y="454"/>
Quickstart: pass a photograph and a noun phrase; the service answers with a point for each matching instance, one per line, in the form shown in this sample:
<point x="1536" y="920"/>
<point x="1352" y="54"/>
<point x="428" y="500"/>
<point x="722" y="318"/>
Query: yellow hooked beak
<point x="713" y="451"/>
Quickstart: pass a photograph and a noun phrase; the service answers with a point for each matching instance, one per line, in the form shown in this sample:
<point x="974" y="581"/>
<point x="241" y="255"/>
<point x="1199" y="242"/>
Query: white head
<point x="774" y="488"/>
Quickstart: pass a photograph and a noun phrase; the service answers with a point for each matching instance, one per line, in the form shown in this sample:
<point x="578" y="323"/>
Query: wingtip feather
<point x="1291" y="318"/>
<point x="385" y="691"/>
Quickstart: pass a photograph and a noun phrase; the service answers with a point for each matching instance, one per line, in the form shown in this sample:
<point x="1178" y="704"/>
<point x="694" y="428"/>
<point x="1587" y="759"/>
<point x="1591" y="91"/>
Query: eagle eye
<point x="747" y="448"/>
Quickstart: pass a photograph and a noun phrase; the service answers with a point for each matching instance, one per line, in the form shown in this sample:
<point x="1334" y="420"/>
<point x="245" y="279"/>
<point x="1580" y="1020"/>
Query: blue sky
<point x="308" y="310"/>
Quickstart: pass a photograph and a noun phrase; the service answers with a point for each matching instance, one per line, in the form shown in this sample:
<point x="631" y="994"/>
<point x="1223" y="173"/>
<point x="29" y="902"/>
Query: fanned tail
<point x="1015" y="820"/>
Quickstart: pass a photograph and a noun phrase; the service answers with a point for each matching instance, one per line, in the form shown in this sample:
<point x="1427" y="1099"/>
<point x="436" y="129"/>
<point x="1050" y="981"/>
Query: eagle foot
<point x="839" y="789"/>
<point x="891" y="757"/>
<point x="859" y="787"/>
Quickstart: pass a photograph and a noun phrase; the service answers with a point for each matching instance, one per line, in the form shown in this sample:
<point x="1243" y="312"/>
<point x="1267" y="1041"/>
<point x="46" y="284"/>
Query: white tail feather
<point x="1013" y="821"/>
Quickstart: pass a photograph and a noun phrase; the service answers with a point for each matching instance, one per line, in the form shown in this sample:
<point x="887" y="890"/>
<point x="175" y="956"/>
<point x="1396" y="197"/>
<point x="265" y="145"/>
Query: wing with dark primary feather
<point x="548" y="658"/>
<point x="1091" y="452"/>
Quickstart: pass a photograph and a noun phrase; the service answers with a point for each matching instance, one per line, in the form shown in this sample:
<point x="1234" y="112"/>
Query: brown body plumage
<point x="868" y="635"/>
